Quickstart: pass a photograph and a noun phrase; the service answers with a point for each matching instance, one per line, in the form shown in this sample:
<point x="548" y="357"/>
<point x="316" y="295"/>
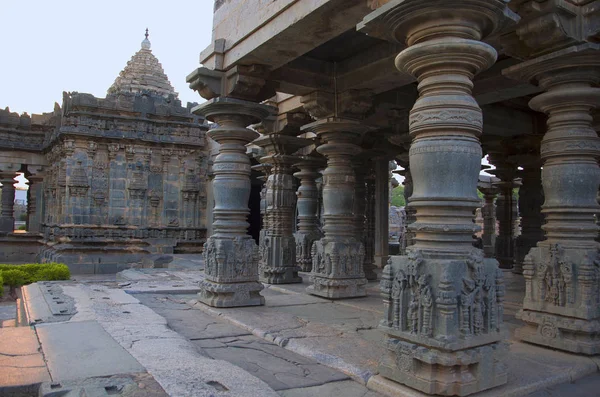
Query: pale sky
<point x="76" y="45"/>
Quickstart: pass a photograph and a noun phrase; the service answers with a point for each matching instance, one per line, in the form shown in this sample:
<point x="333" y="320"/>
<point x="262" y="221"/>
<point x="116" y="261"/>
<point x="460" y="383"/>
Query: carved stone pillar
<point x="35" y="203"/>
<point x="382" y="219"/>
<point x="308" y="207"/>
<point x="7" y="220"/>
<point x="230" y="254"/>
<point x="266" y="170"/>
<point x="561" y="308"/>
<point x="531" y="198"/>
<point x="488" y="237"/>
<point x="443" y="300"/>
<point x="338" y="257"/>
<point x="277" y="249"/>
<point x="505" y="241"/>
<point x="369" y="224"/>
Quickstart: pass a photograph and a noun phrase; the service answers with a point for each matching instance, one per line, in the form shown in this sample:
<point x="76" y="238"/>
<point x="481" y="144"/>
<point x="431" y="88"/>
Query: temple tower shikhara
<point x="118" y="181"/>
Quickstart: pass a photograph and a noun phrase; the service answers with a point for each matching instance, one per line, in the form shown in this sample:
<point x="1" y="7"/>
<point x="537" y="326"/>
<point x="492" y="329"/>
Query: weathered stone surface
<point x="21" y="361"/>
<point x="443" y="301"/>
<point x="126" y="385"/>
<point x="279" y="368"/>
<point x="343" y="388"/>
<point x="561" y="308"/>
<point x="67" y="345"/>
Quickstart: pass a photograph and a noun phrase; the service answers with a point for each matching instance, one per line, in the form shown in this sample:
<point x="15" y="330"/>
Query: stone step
<point x="22" y="365"/>
<point x="8" y="324"/>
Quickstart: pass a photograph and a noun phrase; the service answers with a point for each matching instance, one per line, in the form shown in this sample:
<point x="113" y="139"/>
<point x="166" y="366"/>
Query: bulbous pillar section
<point x="531" y="198"/>
<point x="443" y="300"/>
<point x="338" y="257"/>
<point x="230" y="254"/>
<point x="308" y="206"/>
<point x="277" y="249"/>
<point x="7" y="219"/>
<point x="561" y="308"/>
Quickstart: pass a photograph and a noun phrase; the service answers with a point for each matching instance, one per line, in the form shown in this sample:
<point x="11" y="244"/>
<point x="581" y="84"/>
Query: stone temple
<point x="310" y="102"/>
<point x="112" y="181"/>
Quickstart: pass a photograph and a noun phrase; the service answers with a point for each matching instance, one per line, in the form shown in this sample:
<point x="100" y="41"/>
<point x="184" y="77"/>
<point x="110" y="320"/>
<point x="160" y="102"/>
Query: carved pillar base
<point x="440" y="342"/>
<point x="559" y="311"/>
<point x="231" y="267"/>
<point x="304" y="242"/>
<point x="279" y="250"/>
<point x="335" y="261"/>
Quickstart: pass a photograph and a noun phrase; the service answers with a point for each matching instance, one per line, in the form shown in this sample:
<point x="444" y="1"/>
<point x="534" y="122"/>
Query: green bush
<point x="18" y="275"/>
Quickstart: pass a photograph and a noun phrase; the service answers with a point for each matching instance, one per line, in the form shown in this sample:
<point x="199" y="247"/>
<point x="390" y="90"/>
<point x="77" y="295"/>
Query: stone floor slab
<point x="126" y="385"/>
<point x="82" y="350"/>
<point x="345" y="388"/>
<point x="21" y="362"/>
<point x="279" y="368"/>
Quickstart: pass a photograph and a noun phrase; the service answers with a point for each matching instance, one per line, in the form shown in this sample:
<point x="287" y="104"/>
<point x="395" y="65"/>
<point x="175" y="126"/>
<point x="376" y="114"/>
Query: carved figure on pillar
<point x="230" y="254"/>
<point x="443" y="300"/>
<point x="278" y="247"/>
<point x="561" y="308"/>
<point x="308" y="206"/>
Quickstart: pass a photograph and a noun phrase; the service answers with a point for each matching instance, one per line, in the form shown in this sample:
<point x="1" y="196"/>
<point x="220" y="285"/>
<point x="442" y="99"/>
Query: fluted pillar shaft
<point x="7" y="220"/>
<point x="434" y="297"/>
<point x="561" y="308"/>
<point x="338" y="257"/>
<point x="409" y="237"/>
<point x="230" y="254"/>
<point x="308" y="211"/>
<point x="382" y="218"/>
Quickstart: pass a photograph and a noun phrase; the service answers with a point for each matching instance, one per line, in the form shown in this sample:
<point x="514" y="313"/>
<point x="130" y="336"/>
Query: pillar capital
<point x="242" y="82"/>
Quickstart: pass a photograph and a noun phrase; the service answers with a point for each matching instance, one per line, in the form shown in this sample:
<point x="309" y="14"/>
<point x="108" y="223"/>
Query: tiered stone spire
<point x="143" y="73"/>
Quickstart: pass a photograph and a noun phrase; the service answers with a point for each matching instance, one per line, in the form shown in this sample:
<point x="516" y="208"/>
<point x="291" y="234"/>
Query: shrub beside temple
<point x="18" y="275"/>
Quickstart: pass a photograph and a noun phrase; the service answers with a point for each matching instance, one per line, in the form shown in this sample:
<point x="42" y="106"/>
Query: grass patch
<point x="18" y="275"/>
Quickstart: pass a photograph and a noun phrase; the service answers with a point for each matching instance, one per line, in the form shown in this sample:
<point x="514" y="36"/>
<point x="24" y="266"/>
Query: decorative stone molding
<point x="561" y="308"/>
<point x="337" y="258"/>
<point x="231" y="255"/>
<point x="435" y="320"/>
<point x="351" y="104"/>
<point x="243" y="82"/>
<point x="551" y="25"/>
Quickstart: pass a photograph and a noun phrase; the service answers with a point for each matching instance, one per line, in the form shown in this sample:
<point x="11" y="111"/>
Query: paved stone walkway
<point x="143" y="333"/>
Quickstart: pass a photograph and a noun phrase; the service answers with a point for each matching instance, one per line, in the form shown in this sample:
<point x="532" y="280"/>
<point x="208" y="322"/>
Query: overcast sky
<point x="75" y="45"/>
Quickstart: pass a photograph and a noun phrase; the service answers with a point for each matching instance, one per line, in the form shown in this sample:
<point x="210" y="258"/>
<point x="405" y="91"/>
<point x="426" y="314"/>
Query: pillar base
<point x="559" y="332"/>
<point x="337" y="269"/>
<point x="438" y="372"/>
<point x="231" y="267"/>
<point x="277" y="263"/>
<point x="562" y="298"/>
<point x="231" y="295"/>
<point x="304" y="242"/>
<point x="370" y="274"/>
